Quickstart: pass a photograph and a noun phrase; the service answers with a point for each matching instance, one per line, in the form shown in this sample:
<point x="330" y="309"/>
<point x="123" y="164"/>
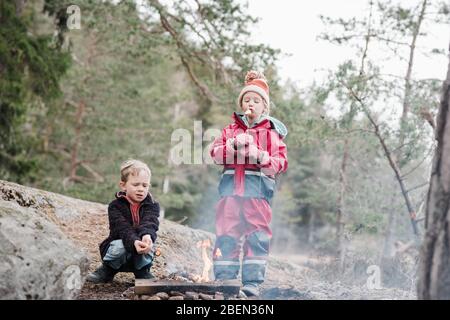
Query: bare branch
<point x="419" y="186"/>
<point x="392" y="162"/>
<point x="419" y="164"/>
<point x="168" y="27"/>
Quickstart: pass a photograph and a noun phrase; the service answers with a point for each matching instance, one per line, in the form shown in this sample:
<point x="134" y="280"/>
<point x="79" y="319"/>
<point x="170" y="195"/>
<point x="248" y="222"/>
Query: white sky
<point x="293" y="25"/>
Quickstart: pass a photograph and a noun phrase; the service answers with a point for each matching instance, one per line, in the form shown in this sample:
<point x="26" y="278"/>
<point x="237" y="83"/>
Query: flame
<point x="207" y="263"/>
<point x="218" y="253"/>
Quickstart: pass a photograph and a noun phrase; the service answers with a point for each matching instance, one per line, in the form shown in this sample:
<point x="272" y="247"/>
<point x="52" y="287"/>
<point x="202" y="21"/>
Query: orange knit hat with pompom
<point x="255" y="82"/>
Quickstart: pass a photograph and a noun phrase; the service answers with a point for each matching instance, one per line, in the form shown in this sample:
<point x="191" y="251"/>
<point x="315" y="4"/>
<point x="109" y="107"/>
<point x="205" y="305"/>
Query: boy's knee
<point x="115" y="251"/>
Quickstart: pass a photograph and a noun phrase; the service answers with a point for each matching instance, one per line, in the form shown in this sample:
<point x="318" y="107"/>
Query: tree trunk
<point x="388" y="247"/>
<point x="340" y="219"/>
<point x="412" y="48"/>
<point x="341" y="201"/>
<point x="165" y="190"/>
<point x="434" y="272"/>
<point x="407" y="88"/>
<point x="77" y="140"/>
<point x="46" y="137"/>
<point x="311" y="228"/>
<point x="20" y="5"/>
<point x="80" y="114"/>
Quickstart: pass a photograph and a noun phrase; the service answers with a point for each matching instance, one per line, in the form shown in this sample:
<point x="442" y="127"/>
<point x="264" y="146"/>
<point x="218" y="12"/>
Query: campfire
<point x="184" y="285"/>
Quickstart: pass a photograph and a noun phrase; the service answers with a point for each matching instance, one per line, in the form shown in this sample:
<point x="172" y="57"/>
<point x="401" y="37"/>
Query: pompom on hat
<point x="255" y="82"/>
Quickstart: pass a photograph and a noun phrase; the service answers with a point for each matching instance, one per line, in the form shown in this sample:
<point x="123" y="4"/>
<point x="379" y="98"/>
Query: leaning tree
<point x="434" y="277"/>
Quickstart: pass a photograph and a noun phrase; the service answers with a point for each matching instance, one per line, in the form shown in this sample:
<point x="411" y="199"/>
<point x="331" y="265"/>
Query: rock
<point x="76" y="217"/>
<point x="55" y="206"/>
<point x="189" y="295"/>
<point x="204" y="296"/>
<point x="154" y="297"/>
<point x="37" y="261"/>
<point x="284" y="293"/>
<point x="219" y="296"/>
<point x="162" y="295"/>
<point x="343" y="292"/>
<point x="176" y="298"/>
<point x="176" y="293"/>
<point x="129" y="293"/>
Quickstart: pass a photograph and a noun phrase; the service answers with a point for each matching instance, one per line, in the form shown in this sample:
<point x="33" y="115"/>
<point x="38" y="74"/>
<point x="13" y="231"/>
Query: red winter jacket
<point x="251" y="179"/>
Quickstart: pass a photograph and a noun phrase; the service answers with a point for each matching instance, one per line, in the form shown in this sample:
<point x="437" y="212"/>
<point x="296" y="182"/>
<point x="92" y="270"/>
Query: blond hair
<point x="133" y="166"/>
<point x="266" y="110"/>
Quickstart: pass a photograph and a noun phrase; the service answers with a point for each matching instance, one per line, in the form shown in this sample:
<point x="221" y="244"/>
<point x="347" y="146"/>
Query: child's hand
<point x="251" y="152"/>
<point x="140" y="246"/>
<point x="148" y="241"/>
<point x="243" y="139"/>
<point x="231" y="144"/>
<point x="254" y="154"/>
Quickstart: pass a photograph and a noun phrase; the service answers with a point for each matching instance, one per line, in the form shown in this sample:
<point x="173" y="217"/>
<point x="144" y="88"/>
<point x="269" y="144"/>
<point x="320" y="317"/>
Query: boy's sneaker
<point x="144" y="273"/>
<point x="250" y="289"/>
<point x="103" y="274"/>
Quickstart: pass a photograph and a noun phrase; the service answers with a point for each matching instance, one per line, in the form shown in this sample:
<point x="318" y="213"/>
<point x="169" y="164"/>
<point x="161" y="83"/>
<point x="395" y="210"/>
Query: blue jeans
<point x="117" y="256"/>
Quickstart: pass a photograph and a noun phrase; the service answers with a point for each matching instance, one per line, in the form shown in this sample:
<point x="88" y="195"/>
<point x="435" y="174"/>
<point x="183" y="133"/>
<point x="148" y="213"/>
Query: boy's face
<point x="137" y="185"/>
<point x="253" y="102"/>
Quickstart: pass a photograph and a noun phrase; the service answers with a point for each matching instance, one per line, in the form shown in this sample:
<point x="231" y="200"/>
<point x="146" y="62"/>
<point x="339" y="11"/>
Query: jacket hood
<point x="276" y="124"/>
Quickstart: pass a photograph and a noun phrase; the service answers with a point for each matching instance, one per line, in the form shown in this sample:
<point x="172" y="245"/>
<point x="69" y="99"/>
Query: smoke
<point x="205" y="219"/>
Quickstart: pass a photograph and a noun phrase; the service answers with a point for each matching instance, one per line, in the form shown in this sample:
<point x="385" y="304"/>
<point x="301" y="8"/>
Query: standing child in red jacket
<point x="133" y="223"/>
<point x="253" y="153"/>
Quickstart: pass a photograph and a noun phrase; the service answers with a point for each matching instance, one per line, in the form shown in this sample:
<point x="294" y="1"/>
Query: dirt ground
<point x="87" y="232"/>
<point x="311" y="284"/>
<point x="291" y="275"/>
